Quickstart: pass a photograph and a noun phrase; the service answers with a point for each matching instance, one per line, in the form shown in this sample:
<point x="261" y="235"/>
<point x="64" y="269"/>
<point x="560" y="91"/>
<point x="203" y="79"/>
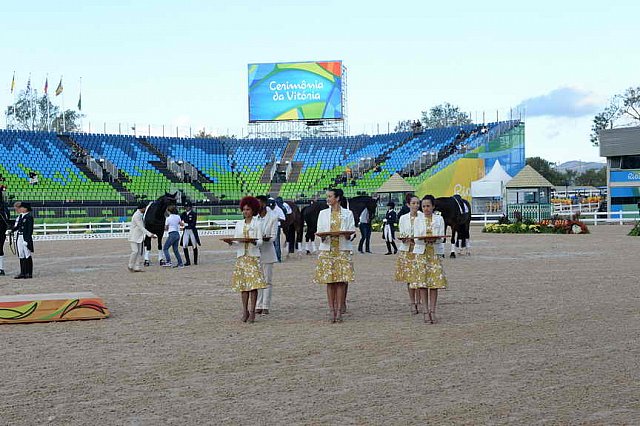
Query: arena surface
<point x="535" y="329"/>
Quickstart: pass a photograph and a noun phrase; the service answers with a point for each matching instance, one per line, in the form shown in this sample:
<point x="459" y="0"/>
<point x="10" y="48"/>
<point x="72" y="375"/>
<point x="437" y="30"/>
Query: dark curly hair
<point x="252" y="202"/>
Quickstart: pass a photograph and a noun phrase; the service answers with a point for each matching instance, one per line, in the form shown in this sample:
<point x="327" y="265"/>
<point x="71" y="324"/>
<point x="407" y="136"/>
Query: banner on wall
<point x="295" y="91"/>
<point x="453" y="179"/>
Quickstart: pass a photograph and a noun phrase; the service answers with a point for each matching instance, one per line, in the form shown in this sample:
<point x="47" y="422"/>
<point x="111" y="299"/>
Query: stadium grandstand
<point x="105" y="169"/>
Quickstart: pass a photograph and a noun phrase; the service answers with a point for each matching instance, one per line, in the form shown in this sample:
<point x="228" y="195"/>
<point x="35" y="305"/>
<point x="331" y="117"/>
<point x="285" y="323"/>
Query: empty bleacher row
<point x="227" y="168"/>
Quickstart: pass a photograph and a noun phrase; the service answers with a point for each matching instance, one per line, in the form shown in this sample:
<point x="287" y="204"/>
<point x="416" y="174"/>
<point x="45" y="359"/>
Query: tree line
<point x="31" y="111"/>
<point x="557" y="177"/>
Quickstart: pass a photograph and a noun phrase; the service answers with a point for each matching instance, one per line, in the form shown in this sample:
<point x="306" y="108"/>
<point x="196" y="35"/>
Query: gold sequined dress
<point x="430" y="273"/>
<point x="406" y="264"/>
<point x="247" y="274"/>
<point x="334" y="266"/>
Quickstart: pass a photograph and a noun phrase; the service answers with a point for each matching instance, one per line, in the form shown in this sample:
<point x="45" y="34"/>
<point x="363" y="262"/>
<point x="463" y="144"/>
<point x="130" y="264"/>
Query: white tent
<point x="492" y="185"/>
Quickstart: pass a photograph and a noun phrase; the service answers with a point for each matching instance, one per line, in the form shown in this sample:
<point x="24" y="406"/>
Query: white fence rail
<point x="113" y="230"/>
<point x="603" y="218"/>
<point x="109" y="230"/>
<point x="590" y="218"/>
<point x="575" y="208"/>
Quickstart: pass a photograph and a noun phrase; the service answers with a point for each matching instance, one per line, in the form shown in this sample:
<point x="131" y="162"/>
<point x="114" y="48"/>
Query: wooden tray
<point x="239" y="240"/>
<point x="335" y="234"/>
<point x="432" y="237"/>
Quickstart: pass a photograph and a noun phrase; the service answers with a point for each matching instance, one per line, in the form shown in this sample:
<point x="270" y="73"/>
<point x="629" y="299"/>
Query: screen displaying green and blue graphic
<point x="295" y="91"/>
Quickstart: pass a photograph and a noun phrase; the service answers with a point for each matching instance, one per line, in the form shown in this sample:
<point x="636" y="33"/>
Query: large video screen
<point x="295" y="91"/>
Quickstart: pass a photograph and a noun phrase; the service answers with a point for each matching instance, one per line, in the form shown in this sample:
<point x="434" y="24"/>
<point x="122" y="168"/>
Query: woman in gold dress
<point x="411" y="224"/>
<point x="335" y="266"/>
<point x="430" y="276"/>
<point x="247" y="276"/>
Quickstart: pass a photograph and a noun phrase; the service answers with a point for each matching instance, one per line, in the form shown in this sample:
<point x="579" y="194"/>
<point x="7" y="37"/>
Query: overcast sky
<point x="185" y="62"/>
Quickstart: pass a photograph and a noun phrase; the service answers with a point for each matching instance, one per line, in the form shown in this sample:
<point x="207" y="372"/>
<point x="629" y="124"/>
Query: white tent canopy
<point x="492" y="185"/>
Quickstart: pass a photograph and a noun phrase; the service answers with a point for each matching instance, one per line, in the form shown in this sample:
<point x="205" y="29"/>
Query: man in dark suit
<point x="24" y="243"/>
<point x="389" y="228"/>
<point x="190" y="235"/>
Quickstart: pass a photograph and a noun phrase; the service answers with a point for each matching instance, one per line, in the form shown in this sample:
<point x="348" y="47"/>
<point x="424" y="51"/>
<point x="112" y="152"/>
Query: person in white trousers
<point x="24" y="242"/>
<point x="137" y="232"/>
<point x="268" y="219"/>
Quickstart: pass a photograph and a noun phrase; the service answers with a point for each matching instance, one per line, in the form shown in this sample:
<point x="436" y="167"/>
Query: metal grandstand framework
<point x="301" y="128"/>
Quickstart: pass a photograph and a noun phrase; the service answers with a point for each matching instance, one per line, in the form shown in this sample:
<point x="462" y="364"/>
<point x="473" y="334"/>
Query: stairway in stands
<point x="290" y="150"/>
<point x="287" y="157"/>
<point x="75" y="147"/>
<point x="296" y="168"/>
<point x="161" y="165"/>
<point x="385" y="154"/>
<point x="266" y="174"/>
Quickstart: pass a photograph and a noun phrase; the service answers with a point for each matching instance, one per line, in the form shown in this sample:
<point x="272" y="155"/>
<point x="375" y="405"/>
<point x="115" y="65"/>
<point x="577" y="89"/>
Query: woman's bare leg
<point x="245" y="301"/>
<point x="412" y="299"/>
<point x="433" y="299"/>
<point x="424" y="301"/>
<point x="331" y="300"/>
<point x="253" y="297"/>
<point x="341" y="294"/>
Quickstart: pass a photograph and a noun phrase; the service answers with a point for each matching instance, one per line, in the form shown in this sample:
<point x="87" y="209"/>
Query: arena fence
<point x="590" y="218"/>
<point x="110" y="230"/>
<point x="114" y="230"/>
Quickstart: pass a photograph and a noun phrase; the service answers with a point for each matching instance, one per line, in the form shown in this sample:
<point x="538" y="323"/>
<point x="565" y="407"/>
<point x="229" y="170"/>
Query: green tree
<point x="444" y="115"/>
<point x="623" y="109"/>
<point x="203" y="134"/>
<point x="33" y="112"/>
<point x="403" y="126"/>
<point x="548" y="171"/>
<point x="593" y="177"/>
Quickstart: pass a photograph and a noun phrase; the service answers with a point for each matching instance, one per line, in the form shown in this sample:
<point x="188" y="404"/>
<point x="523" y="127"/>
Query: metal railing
<point x="93" y="165"/>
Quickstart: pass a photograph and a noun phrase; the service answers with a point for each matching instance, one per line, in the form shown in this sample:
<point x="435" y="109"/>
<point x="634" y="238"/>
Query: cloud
<point x="563" y="102"/>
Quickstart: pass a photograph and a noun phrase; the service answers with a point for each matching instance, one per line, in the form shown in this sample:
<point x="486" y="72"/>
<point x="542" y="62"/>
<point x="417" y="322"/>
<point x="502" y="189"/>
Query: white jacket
<point x="437" y="224"/>
<point x="418" y="229"/>
<point x="255" y="231"/>
<point x="269" y="225"/>
<point x="346" y="224"/>
<point x="137" y="231"/>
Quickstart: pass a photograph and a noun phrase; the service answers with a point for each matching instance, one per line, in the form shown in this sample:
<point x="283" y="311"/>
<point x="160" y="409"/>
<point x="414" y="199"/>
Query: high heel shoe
<point x="245" y="316"/>
<point x="332" y="316"/>
<point x="431" y="316"/>
<point x="252" y="316"/>
<point x="414" y="308"/>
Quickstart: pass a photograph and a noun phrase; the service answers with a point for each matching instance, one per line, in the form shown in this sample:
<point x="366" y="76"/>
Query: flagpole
<point x="47" y="93"/>
<point x="29" y="102"/>
<point x="64" y="124"/>
<point x="80" y="106"/>
<point x="35" y="109"/>
<point x="13" y="92"/>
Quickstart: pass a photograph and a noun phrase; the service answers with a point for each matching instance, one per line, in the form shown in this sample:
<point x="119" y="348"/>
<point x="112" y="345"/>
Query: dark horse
<point x="154" y="217"/>
<point x="456" y="212"/>
<point x="292" y="228"/>
<point x="356" y="204"/>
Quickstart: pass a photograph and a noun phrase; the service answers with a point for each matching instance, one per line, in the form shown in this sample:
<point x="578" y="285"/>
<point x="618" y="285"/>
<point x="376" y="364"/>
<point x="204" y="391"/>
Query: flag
<point x="80" y="102"/>
<point x="13" y="82"/>
<point x="59" y="89"/>
<point x="46" y="86"/>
